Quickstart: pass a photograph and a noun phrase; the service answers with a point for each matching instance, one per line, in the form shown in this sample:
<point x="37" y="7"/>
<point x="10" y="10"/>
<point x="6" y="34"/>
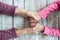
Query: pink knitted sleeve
<point x="45" y="12"/>
<point x="51" y="8"/>
<point x="52" y="31"/>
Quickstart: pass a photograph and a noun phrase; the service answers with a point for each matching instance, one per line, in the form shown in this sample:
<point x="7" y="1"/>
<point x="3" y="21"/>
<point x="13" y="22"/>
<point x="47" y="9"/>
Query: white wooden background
<point x="7" y="22"/>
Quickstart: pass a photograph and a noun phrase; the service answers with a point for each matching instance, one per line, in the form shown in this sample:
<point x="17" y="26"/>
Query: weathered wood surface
<point x="7" y="22"/>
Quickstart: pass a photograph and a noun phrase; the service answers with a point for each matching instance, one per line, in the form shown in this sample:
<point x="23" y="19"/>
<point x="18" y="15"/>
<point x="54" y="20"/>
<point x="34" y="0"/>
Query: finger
<point x="32" y="20"/>
<point x="37" y="27"/>
<point x="36" y="16"/>
<point x="32" y="24"/>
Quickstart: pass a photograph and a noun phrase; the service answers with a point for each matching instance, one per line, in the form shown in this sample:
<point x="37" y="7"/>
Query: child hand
<point x="38" y="28"/>
<point x="32" y="22"/>
<point x="28" y="14"/>
<point x="34" y="15"/>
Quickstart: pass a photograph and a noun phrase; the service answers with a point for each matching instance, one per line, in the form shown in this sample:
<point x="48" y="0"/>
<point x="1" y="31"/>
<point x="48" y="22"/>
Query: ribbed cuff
<point x="13" y="33"/>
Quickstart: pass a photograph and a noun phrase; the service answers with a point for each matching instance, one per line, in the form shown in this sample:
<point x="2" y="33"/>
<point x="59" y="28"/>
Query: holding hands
<point x="34" y="18"/>
<point x="36" y="26"/>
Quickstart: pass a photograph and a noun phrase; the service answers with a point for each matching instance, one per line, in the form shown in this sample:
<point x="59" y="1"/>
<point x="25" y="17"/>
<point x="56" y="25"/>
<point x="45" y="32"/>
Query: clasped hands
<point x="34" y="18"/>
<point x="36" y="26"/>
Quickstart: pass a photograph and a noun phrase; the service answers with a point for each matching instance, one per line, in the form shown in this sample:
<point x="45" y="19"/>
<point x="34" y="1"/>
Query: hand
<point x="38" y="28"/>
<point x="25" y="13"/>
<point x="24" y="31"/>
<point x="33" y="22"/>
<point x="33" y="15"/>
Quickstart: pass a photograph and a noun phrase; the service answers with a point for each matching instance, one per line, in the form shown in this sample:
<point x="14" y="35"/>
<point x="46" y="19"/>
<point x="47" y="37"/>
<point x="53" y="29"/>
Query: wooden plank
<point x="34" y="5"/>
<point x="2" y="25"/>
<point x="0" y="0"/>
<point x="50" y="15"/>
<point x="7" y="20"/>
<point x="30" y="5"/>
<point x="52" y="20"/>
<point x="18" y="20"/>
<point x="58" y="22"/>
<point x="41" y="5"/>
<point x="0" y="19"/>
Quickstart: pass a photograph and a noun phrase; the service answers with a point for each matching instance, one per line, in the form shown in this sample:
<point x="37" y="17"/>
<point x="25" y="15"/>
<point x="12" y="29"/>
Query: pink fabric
<point x="45" y="12"/>
<point x="51" y="31"/>
<point x="51" y="8"/>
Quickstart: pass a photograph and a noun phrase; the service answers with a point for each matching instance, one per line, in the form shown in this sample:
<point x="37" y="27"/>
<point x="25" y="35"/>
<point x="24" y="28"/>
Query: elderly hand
<point x="33" y="15"/>
<point x="36" y="26"/>
<point x="28" y="14"/>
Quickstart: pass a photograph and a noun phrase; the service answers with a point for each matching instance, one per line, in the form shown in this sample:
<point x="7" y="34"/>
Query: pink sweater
<point x="45" y="12"/>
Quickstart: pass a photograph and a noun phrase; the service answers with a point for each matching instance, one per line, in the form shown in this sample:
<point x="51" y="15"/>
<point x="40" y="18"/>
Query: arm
<point x="51" y="31"/>
<point x="8" y="34"/>
<point x="7" y="9"/>
<point x="13" y="33"/>
<point x="51" y="8"/>
<point x="46" y="30"/>
<point x="13" y="10"/>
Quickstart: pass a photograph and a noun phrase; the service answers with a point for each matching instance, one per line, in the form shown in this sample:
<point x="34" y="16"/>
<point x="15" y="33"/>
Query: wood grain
<point x="8" y="22"/>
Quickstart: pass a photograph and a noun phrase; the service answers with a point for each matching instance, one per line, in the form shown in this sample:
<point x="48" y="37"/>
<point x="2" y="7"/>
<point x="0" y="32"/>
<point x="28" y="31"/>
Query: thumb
<point x="36" y="28"/>
<point x="36" y="16"/>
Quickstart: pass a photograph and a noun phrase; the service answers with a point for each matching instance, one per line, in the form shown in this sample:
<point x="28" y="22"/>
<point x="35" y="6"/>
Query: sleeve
<point x="51" y="8"/>
<point x="7" y="9"/>
<point x="51" y="31"/>
<point x="8" y="34"/>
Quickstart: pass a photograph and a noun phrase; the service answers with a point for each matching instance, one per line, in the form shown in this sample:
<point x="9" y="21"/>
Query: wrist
<point x="20" y="32"/>
<point x="21" y="12"/>
<point x="43" y="28"/>
<point x="39" y="28"/>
